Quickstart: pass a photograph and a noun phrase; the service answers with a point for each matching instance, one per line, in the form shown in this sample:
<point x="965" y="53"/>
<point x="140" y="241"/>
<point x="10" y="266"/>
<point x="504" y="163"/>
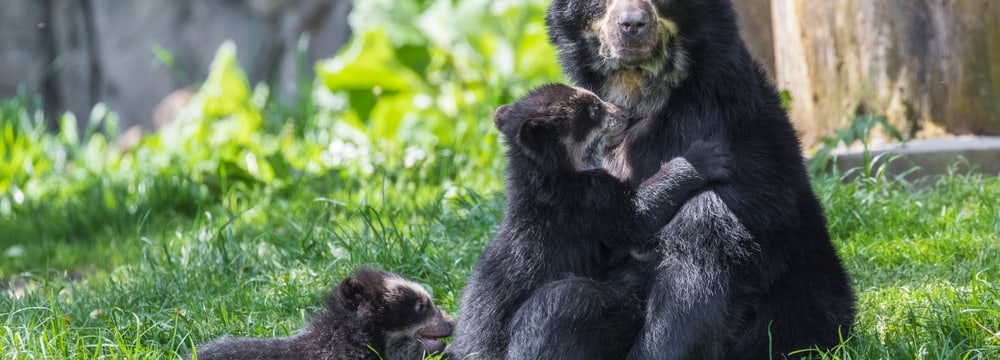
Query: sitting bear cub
<point x="371" y="315"/>
<point x="567" y="218"/>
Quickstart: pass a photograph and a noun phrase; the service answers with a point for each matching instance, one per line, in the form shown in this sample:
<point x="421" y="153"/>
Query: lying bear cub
<point x="567" y="218"/>
<point x="371" y="315"/>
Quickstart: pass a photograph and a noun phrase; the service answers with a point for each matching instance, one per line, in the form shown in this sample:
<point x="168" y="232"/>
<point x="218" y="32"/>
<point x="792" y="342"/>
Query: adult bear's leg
<point x="689" y="305"/>
<point x="574" y="318"/>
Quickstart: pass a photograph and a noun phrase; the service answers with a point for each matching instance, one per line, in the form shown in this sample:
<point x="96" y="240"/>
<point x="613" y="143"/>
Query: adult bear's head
<point x="632" y="52"/>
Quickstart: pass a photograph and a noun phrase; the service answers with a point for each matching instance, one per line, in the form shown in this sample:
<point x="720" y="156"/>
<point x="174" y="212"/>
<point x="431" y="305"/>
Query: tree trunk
<point x="755" y="29"/>
<point x="930" y="66"/>
<point x="76" y="53"/>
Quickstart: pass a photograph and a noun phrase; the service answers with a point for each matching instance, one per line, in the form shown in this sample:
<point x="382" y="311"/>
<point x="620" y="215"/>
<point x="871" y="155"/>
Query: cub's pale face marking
<point x="428" y="323"/>
<point x="588" y="153"/>
<point x="395" y="285"/>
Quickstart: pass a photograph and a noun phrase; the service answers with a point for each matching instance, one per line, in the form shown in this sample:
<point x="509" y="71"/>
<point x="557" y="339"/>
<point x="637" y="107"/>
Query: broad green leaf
<point x="368" y="64"/>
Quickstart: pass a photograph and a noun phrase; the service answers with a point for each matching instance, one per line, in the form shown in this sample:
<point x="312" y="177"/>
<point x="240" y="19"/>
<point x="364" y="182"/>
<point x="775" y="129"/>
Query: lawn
<point x="238" y="218"/>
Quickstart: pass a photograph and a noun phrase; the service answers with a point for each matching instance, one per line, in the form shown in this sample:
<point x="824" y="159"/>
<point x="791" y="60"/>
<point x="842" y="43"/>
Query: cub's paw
<point x="711" y="159"/>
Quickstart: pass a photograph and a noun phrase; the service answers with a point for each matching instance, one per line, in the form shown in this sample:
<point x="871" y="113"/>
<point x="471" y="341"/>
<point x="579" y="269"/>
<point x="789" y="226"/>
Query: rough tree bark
<point x="755" y="29"/>
<point x="931" y="66"/>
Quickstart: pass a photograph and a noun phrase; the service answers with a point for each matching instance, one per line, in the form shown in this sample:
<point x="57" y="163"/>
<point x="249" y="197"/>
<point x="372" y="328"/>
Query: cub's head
<point x="401" y="312"/>
<point x="623" y="48"/>
<point x="560" y="127"/>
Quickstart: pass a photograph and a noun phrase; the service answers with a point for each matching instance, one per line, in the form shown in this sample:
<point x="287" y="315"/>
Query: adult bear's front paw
<point x="711" y="159"/>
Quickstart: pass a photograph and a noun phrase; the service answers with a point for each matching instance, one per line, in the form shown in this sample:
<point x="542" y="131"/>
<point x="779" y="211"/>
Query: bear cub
<point x="372" y="314"/>
<point x="565" y="216"/>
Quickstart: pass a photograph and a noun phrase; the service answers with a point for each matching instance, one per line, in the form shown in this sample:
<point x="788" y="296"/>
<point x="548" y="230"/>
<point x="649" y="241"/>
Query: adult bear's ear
<point x="500" y="116"/>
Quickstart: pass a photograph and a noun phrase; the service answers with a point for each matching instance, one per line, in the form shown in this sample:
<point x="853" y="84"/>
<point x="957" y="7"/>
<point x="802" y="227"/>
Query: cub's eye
<point x="595" y="110"/>
<point x="420" y="308"/>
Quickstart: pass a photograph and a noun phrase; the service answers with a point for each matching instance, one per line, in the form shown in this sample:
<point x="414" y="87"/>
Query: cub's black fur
<point x="603" y="320"/>
<point x="393" y="316"/>
<point x="565" y="215"/>
<point x="747" y="264"/>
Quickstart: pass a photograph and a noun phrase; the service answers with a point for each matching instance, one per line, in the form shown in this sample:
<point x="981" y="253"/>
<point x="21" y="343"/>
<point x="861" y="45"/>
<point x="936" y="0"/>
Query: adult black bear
<point x="566" y="218"/>
<point x="748" y="270"/>
<point x="370" y="315"/>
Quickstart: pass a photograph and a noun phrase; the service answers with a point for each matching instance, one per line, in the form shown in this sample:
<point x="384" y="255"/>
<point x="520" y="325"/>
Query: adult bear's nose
<point x="633" y="17"/>
<point x="633" y="22"/>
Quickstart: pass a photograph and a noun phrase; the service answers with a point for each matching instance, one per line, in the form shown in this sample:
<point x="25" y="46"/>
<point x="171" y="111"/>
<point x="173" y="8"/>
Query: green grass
<point x="923" y="258"/>
<point x="257" y="262"/>
<point x="181" y="264"/>
<point x="130" y="260"/>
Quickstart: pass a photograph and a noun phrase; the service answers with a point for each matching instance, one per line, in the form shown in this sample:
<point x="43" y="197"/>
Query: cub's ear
<point x="500" y="116"/>
<point x="528" y="134"/>
<point x="354" y="293"/>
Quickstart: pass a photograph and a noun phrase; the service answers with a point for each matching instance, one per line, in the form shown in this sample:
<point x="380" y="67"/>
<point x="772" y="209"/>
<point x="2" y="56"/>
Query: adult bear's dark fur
<point x="370" y="310"/>
<point x="745" y="261"/>
<point x="564" y="213"/>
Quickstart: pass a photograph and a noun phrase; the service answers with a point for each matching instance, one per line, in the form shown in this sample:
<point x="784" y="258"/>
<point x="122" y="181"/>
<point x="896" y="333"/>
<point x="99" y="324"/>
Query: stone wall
<point x="75" y="53"/>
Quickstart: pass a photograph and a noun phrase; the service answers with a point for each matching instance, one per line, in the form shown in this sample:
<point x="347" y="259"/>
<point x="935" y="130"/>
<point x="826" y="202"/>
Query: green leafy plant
<point x="858" y="131"/>
<point x="23" y="144"/>
<point x="216" y="138"/>
<point x="427" y="84"/>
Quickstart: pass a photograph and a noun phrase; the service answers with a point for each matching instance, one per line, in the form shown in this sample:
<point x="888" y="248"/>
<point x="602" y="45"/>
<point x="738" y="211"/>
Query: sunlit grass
<point x="148" y="264"/>
<point x="143" y="263"/>
<point x="922" y="259"/>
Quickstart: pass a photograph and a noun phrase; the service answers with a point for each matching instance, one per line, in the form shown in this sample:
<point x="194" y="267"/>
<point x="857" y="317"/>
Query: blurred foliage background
<point x="403" y="98"/>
